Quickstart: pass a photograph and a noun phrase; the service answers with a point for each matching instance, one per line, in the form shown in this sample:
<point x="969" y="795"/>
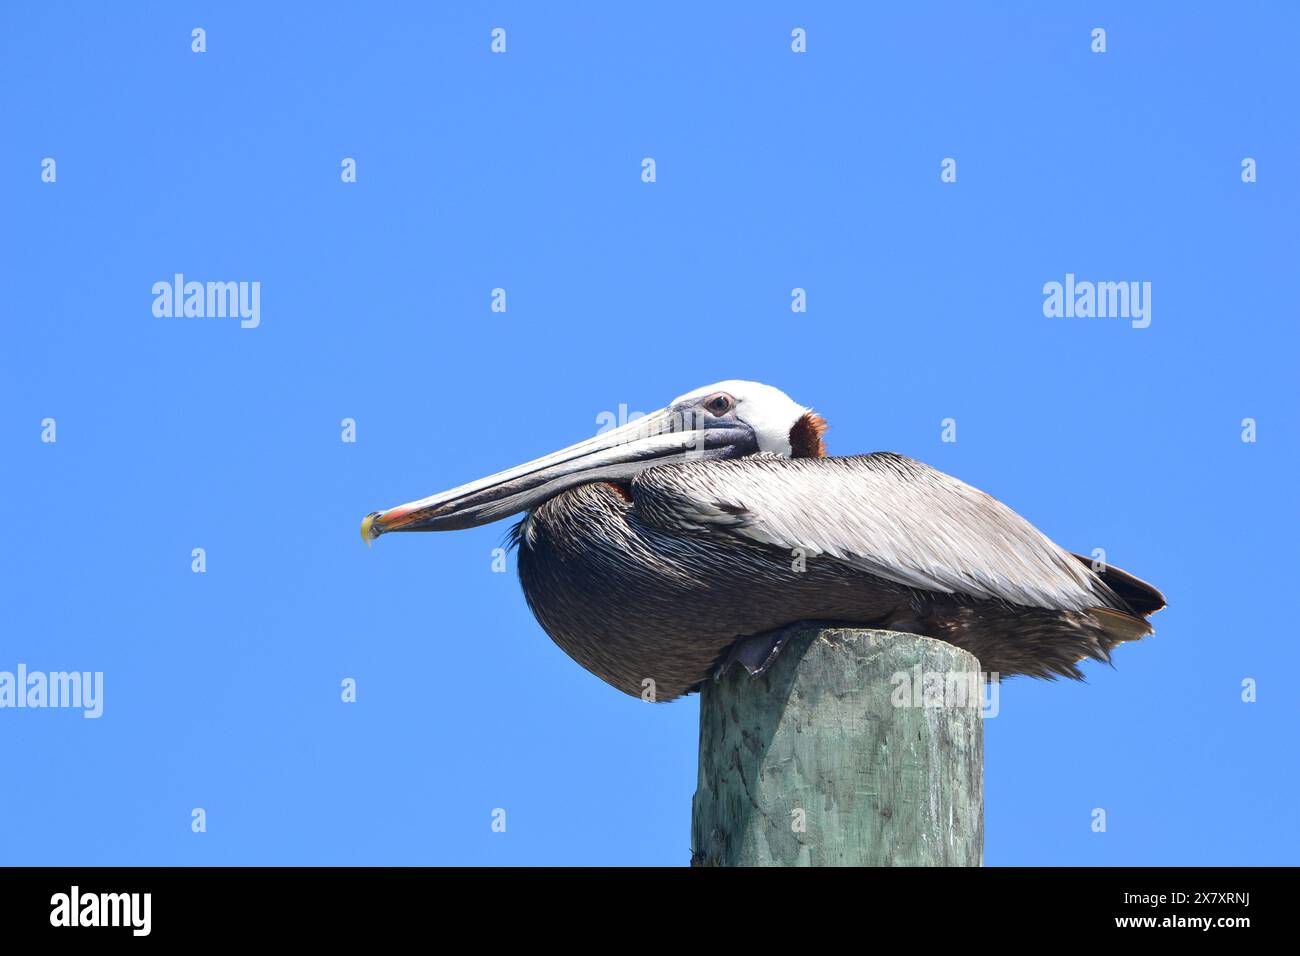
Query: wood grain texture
<point x="831" y="739"/>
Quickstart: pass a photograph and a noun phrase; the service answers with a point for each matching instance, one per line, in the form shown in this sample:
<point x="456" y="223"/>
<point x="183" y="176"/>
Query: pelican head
<point x="729" y="419"/>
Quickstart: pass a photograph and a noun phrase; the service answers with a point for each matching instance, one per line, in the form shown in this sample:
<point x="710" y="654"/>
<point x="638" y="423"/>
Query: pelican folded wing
<point x="883" y="513"/>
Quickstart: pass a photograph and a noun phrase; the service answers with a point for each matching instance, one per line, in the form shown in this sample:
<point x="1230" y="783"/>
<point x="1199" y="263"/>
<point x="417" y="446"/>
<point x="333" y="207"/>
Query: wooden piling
<point x="853" y="749"/>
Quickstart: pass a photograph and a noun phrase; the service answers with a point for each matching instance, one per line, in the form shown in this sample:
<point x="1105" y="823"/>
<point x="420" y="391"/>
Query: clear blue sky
<point x="523" y="171"/>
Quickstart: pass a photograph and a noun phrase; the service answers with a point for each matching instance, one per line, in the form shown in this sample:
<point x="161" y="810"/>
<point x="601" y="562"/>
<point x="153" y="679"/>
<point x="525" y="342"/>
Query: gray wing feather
<point x="886" y="514"/>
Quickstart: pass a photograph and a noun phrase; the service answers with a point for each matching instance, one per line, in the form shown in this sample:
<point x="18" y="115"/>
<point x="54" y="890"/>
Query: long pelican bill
<point x="616" y="455"/>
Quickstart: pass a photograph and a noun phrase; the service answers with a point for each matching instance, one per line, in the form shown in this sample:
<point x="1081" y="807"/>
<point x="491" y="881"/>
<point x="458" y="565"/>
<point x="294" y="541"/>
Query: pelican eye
<point x="719" y="404"/>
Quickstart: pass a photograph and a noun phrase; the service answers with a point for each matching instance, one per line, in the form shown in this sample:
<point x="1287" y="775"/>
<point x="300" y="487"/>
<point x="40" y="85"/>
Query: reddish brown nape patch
<point x="806" y="437"/>
<point x="620" y="491"/>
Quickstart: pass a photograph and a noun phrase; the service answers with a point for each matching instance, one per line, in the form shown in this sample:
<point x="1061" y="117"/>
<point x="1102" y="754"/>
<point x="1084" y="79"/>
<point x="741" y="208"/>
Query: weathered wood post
<point x="856" y="748"/>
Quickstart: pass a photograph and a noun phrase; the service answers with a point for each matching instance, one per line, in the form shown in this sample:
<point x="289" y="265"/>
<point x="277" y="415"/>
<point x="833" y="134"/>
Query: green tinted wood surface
<point x="834" y="758"/>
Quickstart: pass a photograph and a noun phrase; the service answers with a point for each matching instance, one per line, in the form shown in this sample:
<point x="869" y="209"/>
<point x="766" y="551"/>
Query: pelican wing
<point x="886" y="514"/>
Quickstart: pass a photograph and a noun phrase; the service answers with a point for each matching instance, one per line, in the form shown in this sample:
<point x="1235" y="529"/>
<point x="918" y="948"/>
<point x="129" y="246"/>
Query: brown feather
<point x="1136" y="593"/>
<point x="806" y="436"/>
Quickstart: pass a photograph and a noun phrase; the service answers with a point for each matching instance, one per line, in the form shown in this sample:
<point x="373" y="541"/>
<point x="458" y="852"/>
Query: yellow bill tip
<point x="368" y="534"/>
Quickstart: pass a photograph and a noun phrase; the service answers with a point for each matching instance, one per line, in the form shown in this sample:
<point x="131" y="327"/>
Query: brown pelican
<point x="662" y="550"/>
